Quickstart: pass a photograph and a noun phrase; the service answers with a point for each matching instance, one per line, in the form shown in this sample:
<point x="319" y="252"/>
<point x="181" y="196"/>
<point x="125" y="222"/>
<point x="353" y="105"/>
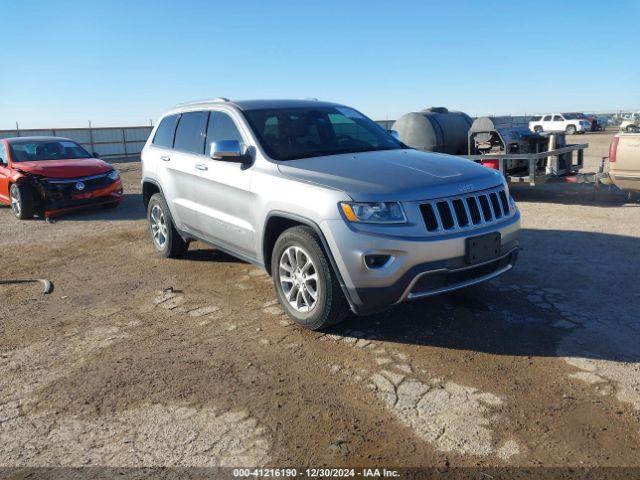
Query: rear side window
<point x="165" y="132"/>
<point x="557" y="118"/>
<point x="3" y="154"/>
<point x="190" y="133"/>
<point x="221" y="127"/>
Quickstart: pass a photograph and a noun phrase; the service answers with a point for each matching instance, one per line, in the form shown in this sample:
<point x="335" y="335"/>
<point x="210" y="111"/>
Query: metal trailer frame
<point x="552" y="172"/>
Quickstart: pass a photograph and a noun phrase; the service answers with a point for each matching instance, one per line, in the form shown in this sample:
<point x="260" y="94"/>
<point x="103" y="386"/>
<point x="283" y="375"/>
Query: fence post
<point x="93" y="148"/>
<point x="124" y="143"/>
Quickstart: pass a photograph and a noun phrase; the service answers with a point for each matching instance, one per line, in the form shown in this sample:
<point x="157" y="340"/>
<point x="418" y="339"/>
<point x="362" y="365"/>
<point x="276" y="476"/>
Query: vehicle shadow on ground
<point x="575" y="194"/>
<point x="596" y="313"/>
<point x="131" y="208"/>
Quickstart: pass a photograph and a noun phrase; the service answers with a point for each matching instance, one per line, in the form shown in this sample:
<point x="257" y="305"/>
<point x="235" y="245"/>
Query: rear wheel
<point x="571" y="130"/>
<point x="22" y="201"/>
<point x="537" y="129"/>
<point x="166" y="239"/>
<point x="633" y="129"/>
<point x="306" y="285"/>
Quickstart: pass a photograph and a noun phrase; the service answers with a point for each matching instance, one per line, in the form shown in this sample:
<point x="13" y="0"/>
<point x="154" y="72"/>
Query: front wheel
<point x="306" y="285"/>
<point x="633" y="129"/>
<point x="164" y="235"/>
<point x="22" y="201"/>
<point x="537" y="129"/>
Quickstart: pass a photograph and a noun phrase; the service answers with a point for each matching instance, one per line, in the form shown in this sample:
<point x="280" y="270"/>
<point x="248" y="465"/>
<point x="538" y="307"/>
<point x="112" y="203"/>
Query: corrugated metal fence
<point x="111" y="143"/>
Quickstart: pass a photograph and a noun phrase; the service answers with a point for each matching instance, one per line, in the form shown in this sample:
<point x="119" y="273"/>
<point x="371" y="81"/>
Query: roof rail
<point x="198" y="102"/>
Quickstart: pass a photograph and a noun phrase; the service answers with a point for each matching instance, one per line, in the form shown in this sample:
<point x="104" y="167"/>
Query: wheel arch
<point x="277" y="222"/>
<point x="149" y="188"/>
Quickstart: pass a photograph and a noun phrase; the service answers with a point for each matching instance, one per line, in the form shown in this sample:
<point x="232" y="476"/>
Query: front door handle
<point x="164" y="158"/>
<point x="201" y="166"/>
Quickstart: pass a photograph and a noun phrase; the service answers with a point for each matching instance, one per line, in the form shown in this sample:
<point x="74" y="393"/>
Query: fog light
<point x="376" y="261"/>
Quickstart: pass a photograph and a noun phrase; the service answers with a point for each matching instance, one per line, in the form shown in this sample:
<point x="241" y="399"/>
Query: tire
<point x="570" y="130"/>
<point x="537" y="129"/>
<point x="164" y="236"/>
<point x="22" y="201"/>
<point x="633" y="129"/>
<point x="330" y="305"/>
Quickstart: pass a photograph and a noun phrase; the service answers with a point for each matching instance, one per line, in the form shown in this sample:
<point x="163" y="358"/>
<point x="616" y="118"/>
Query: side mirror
<point x="228" y="151"/>
<point x="95" y="154"/>
<point x="394" y="134"/>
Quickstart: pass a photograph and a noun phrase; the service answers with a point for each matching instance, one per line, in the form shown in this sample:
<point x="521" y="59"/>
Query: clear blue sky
<point x="124" y="62"/>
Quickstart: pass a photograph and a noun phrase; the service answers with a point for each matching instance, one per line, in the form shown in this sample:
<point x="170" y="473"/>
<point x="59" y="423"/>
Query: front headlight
<point x="113" y="175"/>
<point x="373" y="212"/>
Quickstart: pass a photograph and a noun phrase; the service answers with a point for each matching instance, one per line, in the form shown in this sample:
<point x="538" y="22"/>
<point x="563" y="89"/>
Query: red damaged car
<point x="48" y="176"/>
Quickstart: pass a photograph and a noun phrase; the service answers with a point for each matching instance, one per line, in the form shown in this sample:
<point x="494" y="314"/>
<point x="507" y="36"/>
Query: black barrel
<point x="435" y="129"/>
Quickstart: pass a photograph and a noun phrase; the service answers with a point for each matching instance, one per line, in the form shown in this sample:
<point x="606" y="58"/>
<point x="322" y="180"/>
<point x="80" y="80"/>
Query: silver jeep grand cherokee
<point x="340" y="213"/>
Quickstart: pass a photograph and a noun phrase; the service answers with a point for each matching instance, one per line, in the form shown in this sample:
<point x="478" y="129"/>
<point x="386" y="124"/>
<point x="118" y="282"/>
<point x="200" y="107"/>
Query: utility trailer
<point x="536" y="168"/>
<point x="523" y="156"/>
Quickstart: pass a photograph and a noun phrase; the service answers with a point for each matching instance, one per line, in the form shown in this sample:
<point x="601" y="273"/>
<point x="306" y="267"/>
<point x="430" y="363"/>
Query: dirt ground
<point x="541" y="367"/>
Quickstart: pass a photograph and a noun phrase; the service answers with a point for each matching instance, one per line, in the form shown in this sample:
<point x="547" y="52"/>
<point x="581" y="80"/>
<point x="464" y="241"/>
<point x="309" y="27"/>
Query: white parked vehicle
<point x="569" y="123"/>
<point x="631" y="123"/>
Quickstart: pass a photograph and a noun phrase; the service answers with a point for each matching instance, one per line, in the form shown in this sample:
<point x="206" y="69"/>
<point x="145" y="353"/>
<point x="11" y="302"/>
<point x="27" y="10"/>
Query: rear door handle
<point x="164" y="158"/>
<point x="201" y="166"/>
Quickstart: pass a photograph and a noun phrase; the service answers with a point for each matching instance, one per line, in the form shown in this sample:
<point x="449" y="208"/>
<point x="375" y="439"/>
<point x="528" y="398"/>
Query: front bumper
<point x="419" y="267"/>
<point x="63" y="197"/>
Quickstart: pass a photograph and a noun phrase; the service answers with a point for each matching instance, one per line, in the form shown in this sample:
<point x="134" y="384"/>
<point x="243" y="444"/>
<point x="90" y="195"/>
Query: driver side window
<point x="3" y="155"/>
<point x="221" y="127"/>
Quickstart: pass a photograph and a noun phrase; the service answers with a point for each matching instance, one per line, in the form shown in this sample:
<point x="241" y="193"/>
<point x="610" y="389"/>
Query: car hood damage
<point x="64" y="168"/>
<point x="393" y="175"/>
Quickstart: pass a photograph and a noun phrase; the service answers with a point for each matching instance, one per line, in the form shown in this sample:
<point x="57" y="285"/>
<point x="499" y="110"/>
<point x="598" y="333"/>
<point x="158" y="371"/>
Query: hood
<point x="83" y="167"/>
<point x="402" y="175"/>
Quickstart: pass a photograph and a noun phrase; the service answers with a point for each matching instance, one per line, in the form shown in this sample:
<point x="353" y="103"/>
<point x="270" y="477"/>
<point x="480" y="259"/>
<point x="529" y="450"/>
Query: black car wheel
<point x="306" y="285"/>
<point x="22" y="201"/>
<point x="164" y="235"/>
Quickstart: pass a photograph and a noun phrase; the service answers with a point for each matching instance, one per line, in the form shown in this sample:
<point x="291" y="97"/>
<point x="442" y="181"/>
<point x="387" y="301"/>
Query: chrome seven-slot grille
<point x="465" y="211"/>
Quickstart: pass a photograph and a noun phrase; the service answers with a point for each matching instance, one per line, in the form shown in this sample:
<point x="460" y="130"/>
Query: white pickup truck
<point x="569" y="123"/>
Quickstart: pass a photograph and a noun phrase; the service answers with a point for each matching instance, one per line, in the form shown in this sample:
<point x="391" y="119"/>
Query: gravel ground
<point x="539" y="368"/>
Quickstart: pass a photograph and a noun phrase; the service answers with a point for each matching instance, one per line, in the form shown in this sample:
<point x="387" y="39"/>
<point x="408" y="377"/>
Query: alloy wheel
<point x="159" y="229"/>
<point x="15" y="202"/>
<point x="298" y="279"/>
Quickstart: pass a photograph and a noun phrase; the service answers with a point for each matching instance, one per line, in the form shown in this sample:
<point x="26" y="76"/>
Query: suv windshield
<point x="292" y="133"/>
<point x="37" y="150"/>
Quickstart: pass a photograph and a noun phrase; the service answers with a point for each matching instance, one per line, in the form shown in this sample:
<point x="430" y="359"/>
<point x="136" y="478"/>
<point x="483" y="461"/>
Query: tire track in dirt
<point x="449" y="416"/>
<point x="148" y="435"/>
